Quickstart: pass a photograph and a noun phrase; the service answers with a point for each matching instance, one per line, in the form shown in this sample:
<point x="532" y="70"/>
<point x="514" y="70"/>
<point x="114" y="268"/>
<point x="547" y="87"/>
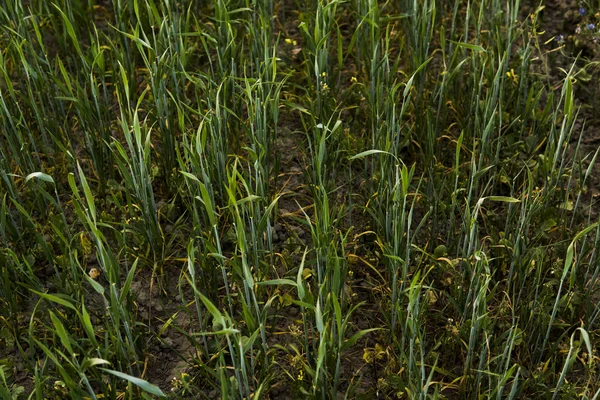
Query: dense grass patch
<point x="282" y="199"/>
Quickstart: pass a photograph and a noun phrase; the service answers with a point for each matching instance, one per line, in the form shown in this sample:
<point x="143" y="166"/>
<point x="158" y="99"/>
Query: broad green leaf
<point x="303" y="304"/>
<point x="319" y="317"/>
<point x="410" y="81"/>
<point x="504" y="199"/>
<point x="167" y="324"/>
<point x="87" y="324"/>
<point x="89" y="197"/>
<point x="338" y="312"/>
<point x="191" y="176"/>
<point x="356" y="337"/>
<point x="321" y="356"/>
<point x="370" y="152"/>
<point x="92" y="362"/>
<point x="267" y="214"/>
<point x="127" y="284"/>
<point x="482" y="172"/>
<point x="97" y="287"/>
<point x="61" y="332"/>
<point x="588" y="344"/>
<point x="469" y="46"/>
<point x="299" y="280"/>
<point x="70" y="29"/>
<point x="275" y="282"/>
<point x="55" y="299"/>
<point x="247" y="342"/>
<point x="568" y="96"/>
<point x="142" y="384"/>
<point x="39" y="175"/>
<point x="206" y="200"/>
<point x="133" y="37"/>
<point x="337" y="124"/>
<point x="247" y="199"/>
<point x="212" y="309"/>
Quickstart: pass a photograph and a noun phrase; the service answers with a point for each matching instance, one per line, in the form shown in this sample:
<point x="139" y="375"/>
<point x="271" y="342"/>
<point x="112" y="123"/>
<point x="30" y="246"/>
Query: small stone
<point x="167" y="343"/>
<point x="142" y="296"/>
<point x="183" y="321"/>
<point x="135" y="287"/>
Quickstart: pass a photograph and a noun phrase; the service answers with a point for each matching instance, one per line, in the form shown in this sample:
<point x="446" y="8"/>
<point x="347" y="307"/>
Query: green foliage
<point x="332" y="198"/>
